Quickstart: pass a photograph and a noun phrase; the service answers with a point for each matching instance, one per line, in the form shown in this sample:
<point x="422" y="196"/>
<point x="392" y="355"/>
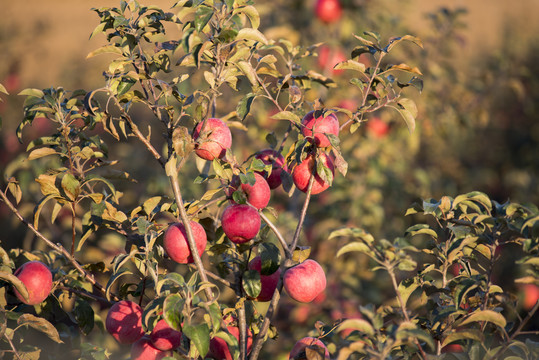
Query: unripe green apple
<point x="298" y="351"/>
<point x="304" y="282"/>
<point x="213" y="140"/>
<point x="257" y="194"/>
<point x="144" y="350"/>
<point x="176" y="244"/>
<point x="301" y="174"/>
<point x="316" y="128"/>
<point x="124" y="322"/>
<point x="240" y="222"/>
<point x="164" y="337"/>
<point x="268" y="283"/>
<point x="37" y="278"/>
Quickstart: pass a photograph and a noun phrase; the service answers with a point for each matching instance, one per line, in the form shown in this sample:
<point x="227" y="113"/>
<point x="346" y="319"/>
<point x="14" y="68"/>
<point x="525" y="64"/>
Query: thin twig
<point x="277" y="233"/>
<point x="57" y="247"/>
<point x="303" y="213"/>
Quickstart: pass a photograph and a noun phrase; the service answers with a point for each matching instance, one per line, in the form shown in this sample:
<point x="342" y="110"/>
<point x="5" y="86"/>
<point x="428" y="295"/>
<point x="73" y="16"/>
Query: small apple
<point x="144" y="350"/>
<point x="219" y="347"/>
<point x="37" y="278"/>
<point x="176" y="244"/>
<point x="273" y="157"/>
<point x="240" y="222"/>
<point x="124" y="322"/>
<point x="328" y="57"/>
<point x="268" y="283"/>
<point x="328" y="10"/>
<point x="164" y="337"/>
<point x="214" y="139"/>
<point x="301" y="174"/>
<point x="316" y="128"/>
<point x="298" y="351"/>
<point x="452" y="348"/>
<point x="257" y="194"/>
<point x="304" y="282"/>
<point x="377" y="127"/>
<point x="531" y="296"/>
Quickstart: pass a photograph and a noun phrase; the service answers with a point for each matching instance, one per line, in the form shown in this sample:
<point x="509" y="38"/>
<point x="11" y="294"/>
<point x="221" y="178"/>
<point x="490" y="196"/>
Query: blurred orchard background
<point x="477" y="128"/>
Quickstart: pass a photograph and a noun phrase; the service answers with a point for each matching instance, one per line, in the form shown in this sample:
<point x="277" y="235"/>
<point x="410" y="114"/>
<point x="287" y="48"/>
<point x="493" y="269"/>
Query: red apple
<point x="377" y="127"/>
<point x="164" y="337"/>
<point x="328" y="10"/>
<point x="124" y="322"/>
<point x="531" y="296"/>
<point x="144" y="350"/>
<point x="328" y="57"/>
<point x="304" y="282"/>
<point x="176" y="245"/>
<point x="219" y="347"/>
<point x="452" y="348"/>
<point x="302" y="172"/>
<point x="240" y="222"/>
<point x="268" y="283"/>
<point x="298" y="351"/>
<point x="214" y="140"/>
<point x="314" y="129"/>
<point x="37" y="278"/>
<point x="257" y="195"/>
<point x="273" y="157"/>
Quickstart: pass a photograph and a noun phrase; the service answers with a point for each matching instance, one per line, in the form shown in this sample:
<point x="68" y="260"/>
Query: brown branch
<point x="277" y="233"/>
<point x="303" y="213"/>
<point x="57" y="247"/>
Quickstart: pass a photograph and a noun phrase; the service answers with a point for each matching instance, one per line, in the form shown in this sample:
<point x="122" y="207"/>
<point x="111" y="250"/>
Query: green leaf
<point x="202" y="17"/>
<point x="350" y="65"/>
<point x="172" y="310"/>
<point x="270" y="258"/>
<point x="252" y="34"/>
<point x="107" y="49"/>
<point x="113" y="279"/>
<point x="247" y="69"/>
<point x="151" y="204"/>
<point x="41" y="325"/>
<point x="84" y="314"/>
<point x="32" y="92"/>
<point x="199" y="336"/>
<point x="486" y="315"/>
<point x="244" y="106"/>
<point x="407" y="287"/>
<point x="287" y="115"/>
<point x="251" y="283"/>
<point x="361" y="325"/>
<point x="71" y="186"/>
<point x="17" y="284"/>
<point x="3" y="89"/>
<point x="355" y="246"/>
<point x="251" y="12"/>
<point x="463" y="334"/>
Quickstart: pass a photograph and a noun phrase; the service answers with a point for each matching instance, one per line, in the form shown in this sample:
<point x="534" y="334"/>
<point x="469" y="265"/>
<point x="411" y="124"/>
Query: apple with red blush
<point x="37" y="278"/>
<point x="316" y="125"/>
<point x="305" y="281"/>
<point x="278" y="165"/>
<point x="301" y="174"/>
<point x="258" y="194"/>
<point x="219" y="348"/>
<point x="268" y="283"/>
<point x="143" y="349"/>
<point x="212" y="138"/>
<point x="240" y="222"/>
<point x="124" y="322"/>
<point x="176" y="244"/>
<point x="328" y="11"/>
<point x="299" y="350"/>
<point x="377" y="127"/>
<point x="164" y="337"/>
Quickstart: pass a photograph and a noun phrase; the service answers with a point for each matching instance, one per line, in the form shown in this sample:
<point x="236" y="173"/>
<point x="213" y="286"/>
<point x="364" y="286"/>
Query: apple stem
<point x="57" y="247"/>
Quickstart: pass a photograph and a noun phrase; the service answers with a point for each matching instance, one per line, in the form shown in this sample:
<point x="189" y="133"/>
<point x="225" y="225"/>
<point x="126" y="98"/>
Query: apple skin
<point x="143" y="349"/>
<point x="302" y="344"/>
<point x="328" y="57"/>
<point x="304" y="282"/>
<point x="328" y="10"/>
<point x="37" y="278"/>
<point x="240" y="222"/>
<point x="219" y="347"/>
<point x="302" y="174"/>
<point x="531" y="296"/>
<point x="216" y="139"/>
<point x="315" y="128"/>
<point x="452" y="348"/>
<point x="176" y="244"/>
<point x="164" y="337"/>
<point x="377" y="127"/>
<point x="278" y="165"/>
<point x="258" y="194"/>
<point x="124" y="322"/>
<point x="268" y="283"/>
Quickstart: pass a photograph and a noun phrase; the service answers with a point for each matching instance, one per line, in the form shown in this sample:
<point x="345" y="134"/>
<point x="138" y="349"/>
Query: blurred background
<point x="477" y="128"/>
